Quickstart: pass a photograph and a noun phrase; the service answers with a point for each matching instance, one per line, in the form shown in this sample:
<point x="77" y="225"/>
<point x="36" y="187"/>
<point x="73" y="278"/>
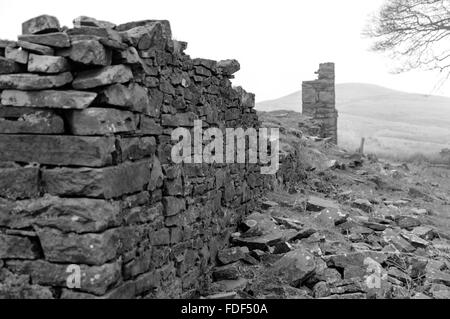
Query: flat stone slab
<point x="48" y="99"/>
<point x="17" y="120"/>
<point x="68" y="215"/>
<point x="26" y="81"/>
<point x="101" y="121"/>
<point x="104" y="76"/>
<point x="108" y="182"/>
<point x="40" y="24"/>
<point x="56" y="39"/>
<point x="36" y="48"/>
<point x="317" y="204"/>
<point x="88" y="249"/>
<point x="95" y="279"/>
<point x="58" y="150"/>
<point x="47" y="64"/>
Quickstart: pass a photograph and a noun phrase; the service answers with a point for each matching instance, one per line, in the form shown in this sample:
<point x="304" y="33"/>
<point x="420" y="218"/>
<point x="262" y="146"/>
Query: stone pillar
<point x="319" y="100"/>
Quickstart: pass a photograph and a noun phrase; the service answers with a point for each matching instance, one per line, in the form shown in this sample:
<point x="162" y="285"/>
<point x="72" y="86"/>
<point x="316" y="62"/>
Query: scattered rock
<point x="231" y="255"/>
<point x="228" y="272"/>
<point x="295" y="267"/>
<point x="317" y="204"/>
<point x="363" y="204"/>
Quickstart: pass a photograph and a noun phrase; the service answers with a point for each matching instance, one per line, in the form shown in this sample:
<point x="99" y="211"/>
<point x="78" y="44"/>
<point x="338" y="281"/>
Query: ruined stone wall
<point x="319" y="100"/>
<point x="86" y="176"/>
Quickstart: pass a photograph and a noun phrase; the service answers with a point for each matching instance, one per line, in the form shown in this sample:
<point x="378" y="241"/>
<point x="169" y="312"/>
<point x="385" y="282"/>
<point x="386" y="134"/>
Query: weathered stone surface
<point x="156" y="175"/>
<point x="330" y="217"/>
<point x="104" y="76"/>
<point x="133" y="97"/>
<point x="394" y="237"/>
<point x="90" y="52"/>
<point x="261" y="243"/>
<point x="424" y="232"/>
<point x="8" y="66"/>
<point x="148" y="126"/>
<point x="355" y="259"/>
<point x="363" y="204"/>
<point x="17" y="55"/>
<point x="107" y="182"/>
<point x="130" y="25"/>
<point x="229" y="272"/>
<point x="48" y="99"/>
<point x="173" y="187"/>
<point x="58" y="150"/>
<point x="78" y="215"/>
<point x="17" y="120"/>
<point x="101" y="121"/>
<point x="408" y="222"/>
<point x="28" y="81"/>
<point x="295" y="267"/>
<point x="89" y="249"/>
<point x="117" y="95"/>
<point x="173" y="205"/>
<point x="18" y="247"/>
<point x="439" y="291"/>
<point x="19" y="182"/>
<point x="7" y="43"/>
<point x="94" y="279"/>
<point x="47" y="64"/>
<point x="36" y="48"/>
<point x="144" y="37"/>
<point x="317" y="204"/>
<point x="179" y="119"/>
<point x="14" y="286"/>
<point x="92" y="22"/>
<point x="228" y="67"/>
<point x="100" y="33"/>
<point x="56" y="40"/>
<point x="136" y="148"/>
<point x="231" y="255"/>
<point x="41" y="24"/>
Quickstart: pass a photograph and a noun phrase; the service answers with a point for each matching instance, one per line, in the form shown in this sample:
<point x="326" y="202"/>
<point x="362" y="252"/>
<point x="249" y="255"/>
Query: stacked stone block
<point x="86" y="176"/>
<point x="319" y="101"/>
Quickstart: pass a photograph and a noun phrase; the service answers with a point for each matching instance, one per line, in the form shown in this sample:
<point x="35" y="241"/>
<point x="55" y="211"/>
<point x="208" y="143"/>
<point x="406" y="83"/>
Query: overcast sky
<point x="278" y="43"/>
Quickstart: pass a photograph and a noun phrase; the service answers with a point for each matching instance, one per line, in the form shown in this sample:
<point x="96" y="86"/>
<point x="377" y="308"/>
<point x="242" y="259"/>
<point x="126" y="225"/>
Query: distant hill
<point x="393" y="122"/>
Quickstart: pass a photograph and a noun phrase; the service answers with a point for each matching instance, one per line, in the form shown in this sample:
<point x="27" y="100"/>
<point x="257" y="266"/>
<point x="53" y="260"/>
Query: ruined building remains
<point x="319" y="100"/>
<point x="87" y="185"/>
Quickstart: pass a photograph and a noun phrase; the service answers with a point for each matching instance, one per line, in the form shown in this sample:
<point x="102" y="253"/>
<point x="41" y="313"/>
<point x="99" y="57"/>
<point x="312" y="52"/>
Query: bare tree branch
<point x="415" y="32"/>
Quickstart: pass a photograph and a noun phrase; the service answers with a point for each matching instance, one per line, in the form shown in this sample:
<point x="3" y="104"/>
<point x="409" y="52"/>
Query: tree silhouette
<point x="415" y="32"/>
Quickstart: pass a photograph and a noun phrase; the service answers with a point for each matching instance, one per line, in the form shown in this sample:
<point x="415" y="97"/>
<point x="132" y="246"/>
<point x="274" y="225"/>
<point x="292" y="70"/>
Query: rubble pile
<point x="354" y="227"/>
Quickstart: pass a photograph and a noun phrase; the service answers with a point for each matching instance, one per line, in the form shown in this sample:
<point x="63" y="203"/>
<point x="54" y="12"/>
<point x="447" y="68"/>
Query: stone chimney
<point x="319" y="100"/>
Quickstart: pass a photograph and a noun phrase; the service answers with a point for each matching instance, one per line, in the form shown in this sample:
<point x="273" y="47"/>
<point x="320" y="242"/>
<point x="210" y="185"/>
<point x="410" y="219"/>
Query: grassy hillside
<point x="395" y="124"/>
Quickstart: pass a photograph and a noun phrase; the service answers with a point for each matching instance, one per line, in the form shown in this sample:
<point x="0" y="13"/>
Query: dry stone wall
<point x="86" y="177"/>
<point x="319" y="101"/>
